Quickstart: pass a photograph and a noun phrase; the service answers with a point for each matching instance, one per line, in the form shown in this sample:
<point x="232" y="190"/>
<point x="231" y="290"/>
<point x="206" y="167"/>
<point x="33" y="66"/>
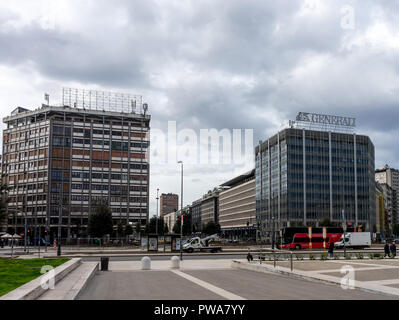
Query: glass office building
<point x="304" y="176"/>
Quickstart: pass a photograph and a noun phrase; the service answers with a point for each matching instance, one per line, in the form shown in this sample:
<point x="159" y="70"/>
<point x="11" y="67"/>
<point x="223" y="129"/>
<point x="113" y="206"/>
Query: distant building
<point x="169" y="203"/>
<point x="196" y="215"/>
<point x="390" y="177"/>
<point x="237" y="209"/>
<point x="384" y="205"/>
<point x="210" y="207"/>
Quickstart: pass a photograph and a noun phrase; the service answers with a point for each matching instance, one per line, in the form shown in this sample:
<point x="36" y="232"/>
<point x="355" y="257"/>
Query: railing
<point x="275" y="255"/>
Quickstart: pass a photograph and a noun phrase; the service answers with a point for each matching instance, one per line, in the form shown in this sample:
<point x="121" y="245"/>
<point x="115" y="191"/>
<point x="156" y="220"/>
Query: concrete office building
<point x="384" y="205"/>
<point x="390" y="177"/>
<point x="237" y="209"/>
<point x="169" y="203"/>
<point x="60" y="160"/>
<point x="196" y="215"/>
<point x="311" y="171"/>
<point x="210" y="207"/>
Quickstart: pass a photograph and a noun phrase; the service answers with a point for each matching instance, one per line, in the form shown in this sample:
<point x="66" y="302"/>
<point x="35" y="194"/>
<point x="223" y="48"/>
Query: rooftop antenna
<point x="145" y="108"/>
<point x="47" y="98"/>
<point x="133" y="105"/>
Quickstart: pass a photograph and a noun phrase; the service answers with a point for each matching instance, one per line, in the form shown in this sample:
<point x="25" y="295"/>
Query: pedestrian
<point x="393" y="249"/>
<point x="386" y="249"/>
<point x="250" y="257"/>
<point x="331" y="249"/>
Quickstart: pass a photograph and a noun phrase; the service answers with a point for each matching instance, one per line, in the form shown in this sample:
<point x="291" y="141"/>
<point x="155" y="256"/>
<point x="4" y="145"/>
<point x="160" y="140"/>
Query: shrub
<point x="371" y="256"/>
<point x="359" y="255"/>
<point x="336" y="256"/>
<point x="311" y="257"/>
<point x="299" y="256"/>
<point x="348" y="256"/>
<point x="381" y="256"/>
<point x="323" y="256"/>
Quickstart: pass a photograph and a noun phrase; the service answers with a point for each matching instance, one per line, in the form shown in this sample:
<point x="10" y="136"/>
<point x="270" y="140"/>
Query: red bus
<point x="301" y="241"/>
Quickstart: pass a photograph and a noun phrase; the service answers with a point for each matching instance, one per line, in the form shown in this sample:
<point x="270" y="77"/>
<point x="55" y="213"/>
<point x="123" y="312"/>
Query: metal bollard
<point x="146" y="263"/>
<point x="175" y="262"/>
<point x="104" y="263"/>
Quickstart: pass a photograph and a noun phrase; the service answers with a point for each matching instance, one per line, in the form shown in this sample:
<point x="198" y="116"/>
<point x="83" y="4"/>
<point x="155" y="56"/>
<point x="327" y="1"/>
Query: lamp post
<point x="181" y="212"/>
<point x="273" y="233"/>
<point x="341" y="169"/>
<point x="156" y="223"/>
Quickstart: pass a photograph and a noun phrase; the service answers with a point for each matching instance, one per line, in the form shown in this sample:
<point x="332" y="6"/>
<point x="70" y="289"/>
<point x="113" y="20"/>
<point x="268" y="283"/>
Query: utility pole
<point x="273" y="233"/>
<point x="181" y="212"/>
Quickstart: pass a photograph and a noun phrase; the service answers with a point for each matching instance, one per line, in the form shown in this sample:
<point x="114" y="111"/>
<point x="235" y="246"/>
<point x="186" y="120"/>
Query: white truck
<point x="201" y="245"/>
<point x="354" y="240"/>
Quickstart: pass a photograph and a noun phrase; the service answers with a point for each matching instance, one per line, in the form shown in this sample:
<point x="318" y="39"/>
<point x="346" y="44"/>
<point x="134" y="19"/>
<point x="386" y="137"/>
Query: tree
<point x="151" y="227"/>
<point x="326" y="222"/>
<point x="395" y="229"/>
<point x="138" y="228"/>
<point x="211" y="228"/>
<point x="186" y="225"/>
<point x="100" y="222"/>
<point x="128" y="229"/>
<point x="120" y="229"/>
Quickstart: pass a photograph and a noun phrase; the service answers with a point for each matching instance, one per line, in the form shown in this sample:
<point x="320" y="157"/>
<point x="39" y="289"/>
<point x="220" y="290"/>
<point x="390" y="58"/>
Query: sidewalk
<point x="380" y="276"/>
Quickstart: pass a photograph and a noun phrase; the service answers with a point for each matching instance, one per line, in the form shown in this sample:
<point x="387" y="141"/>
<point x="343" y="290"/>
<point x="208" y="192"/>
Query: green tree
<point x="151" y="227"/>
<point x="120" y="229"/>
<point x="211" y="228"/>
<point x="100" y="222"/>
<point x="128" y="229"/>
<point x="326" y="222"/>
<point x="186" y="225"/>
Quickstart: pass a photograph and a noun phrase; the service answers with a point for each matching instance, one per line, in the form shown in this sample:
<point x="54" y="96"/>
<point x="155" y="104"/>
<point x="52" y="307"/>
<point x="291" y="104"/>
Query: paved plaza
<point x="214" y="280"/>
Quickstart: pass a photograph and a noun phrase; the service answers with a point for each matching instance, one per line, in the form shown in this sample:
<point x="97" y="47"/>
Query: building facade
<point x="210" y="207"/>
<point x="237" y="209"/>
<point x="196" y="215"/>
<point x="169" y="203"/>
<point x="386" y="175"/>
<point x="304" y="176"/>
<point x="60" y="161"/>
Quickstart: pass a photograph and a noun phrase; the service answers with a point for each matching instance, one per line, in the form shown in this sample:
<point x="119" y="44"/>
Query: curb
<point x="305" y="276"/>
<point x="81" y="285"/>
<point x="33" y="289"/>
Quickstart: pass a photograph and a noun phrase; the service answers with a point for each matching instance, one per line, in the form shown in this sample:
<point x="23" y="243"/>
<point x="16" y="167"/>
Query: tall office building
<point x="390" y="177"/>
<point x="313" y="170"/>
<point x="60" y="160"/>
<point x="169" y="203"/>
<point x="210" y="207"/>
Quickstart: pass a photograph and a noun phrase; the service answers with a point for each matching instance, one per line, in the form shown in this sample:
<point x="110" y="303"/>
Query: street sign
<point x="310" y="232"/>
<point x="324" y="232"/>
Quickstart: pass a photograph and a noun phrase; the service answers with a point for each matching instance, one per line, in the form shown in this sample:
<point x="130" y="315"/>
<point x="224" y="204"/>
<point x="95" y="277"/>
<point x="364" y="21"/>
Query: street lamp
<point x="341" y="169"/>
<point x="156" y="223"/>
<point x="181" y="212"/>
<point x="273" y="233"/>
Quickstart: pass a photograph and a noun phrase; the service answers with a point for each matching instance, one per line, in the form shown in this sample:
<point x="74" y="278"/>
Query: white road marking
<point x="366" y="264"/>
<point x="221" y="292"/>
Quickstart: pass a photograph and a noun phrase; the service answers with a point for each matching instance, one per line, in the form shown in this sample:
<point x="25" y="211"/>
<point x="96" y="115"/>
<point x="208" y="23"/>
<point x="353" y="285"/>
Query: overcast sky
<point x="211" y="64"/>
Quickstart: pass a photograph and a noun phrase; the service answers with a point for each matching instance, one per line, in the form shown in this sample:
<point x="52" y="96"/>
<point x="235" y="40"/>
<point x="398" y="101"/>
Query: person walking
<point x="331" y="249"/>
<point x="393" y="249"/>
<point x="386" y="249"/>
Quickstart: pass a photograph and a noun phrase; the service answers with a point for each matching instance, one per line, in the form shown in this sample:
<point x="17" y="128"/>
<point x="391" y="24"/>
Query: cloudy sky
<point x="211" y="64"/>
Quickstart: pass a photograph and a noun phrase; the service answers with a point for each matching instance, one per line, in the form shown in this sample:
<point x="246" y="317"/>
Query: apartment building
<point x="60" y="160"/>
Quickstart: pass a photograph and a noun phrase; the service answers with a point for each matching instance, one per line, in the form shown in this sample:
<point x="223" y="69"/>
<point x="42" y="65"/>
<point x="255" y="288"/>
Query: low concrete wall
<point x="33" y="289"/>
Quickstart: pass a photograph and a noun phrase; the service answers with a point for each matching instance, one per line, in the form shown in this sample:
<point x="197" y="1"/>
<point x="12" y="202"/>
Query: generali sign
<point x="326" y="119"/>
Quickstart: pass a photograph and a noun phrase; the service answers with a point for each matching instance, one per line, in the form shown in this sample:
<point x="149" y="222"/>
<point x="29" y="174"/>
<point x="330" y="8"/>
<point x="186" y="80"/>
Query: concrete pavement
<point x="207" y="279"/>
